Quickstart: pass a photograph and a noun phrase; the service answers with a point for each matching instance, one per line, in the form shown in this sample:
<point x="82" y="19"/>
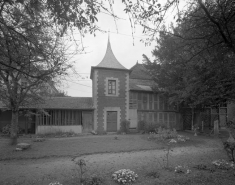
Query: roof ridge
<point x="68" y="97"/>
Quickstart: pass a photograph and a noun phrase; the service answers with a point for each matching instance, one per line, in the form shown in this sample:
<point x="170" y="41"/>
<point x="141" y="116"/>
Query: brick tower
<point x="110" y="93"/>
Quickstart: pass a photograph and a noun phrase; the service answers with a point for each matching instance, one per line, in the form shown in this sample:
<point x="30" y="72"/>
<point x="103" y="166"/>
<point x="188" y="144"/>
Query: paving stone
<point x="23" y="146"/>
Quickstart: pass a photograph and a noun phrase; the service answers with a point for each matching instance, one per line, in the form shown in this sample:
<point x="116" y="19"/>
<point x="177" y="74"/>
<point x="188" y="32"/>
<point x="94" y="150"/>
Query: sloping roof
<point x="141" y="85"/>
<point x="138" y="71"/>
<point x="109" y="60"/>
<point x="84" y="103"/>
<point x="66" y="103"/>
<point x="140" y="80"/>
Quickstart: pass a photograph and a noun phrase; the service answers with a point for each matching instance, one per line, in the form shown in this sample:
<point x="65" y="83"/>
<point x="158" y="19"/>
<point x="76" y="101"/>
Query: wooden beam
<point x="46" y="120"/>
<point x="43" y="119"/>
<point x="72" y="117"/>
<point x="56" y="117"/>
<point x="77" y="117"/>
<point x="63" y="117"/>
<point x="51" y="117"/>
<point x="69" y="117"/>
<point x="59" y="117"/>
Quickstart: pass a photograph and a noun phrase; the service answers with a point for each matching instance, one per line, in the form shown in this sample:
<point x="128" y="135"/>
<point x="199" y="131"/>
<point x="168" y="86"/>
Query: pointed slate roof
<point x="109" y="60"/>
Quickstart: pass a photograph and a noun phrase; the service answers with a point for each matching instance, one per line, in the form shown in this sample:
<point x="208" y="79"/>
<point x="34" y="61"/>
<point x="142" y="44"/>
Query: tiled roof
<point x="138" y="71"/>
<point x="66" y="103"/>
<point x="84" y="103"/>
<point x="109" y="60"/>
<point x="140" y="80"/>
<point x="141" y="85"/>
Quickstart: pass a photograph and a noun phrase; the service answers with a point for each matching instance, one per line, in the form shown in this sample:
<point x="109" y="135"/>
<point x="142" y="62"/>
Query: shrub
<point x="152" y="136"/>
<point x="124" y="176"/>
<point x="7" y="129"/>
<point x="204" y="167"/>
<point x="231" y="124"/>
<point x="58" y="133"/>
<point x="230" y="148"/>
<point x="153" y="174"/>
<point x="224" y="165"/>
<point x="142" y="125"/>
<point x="182" y="138"/>
<point x="182" y="169"/>
<point x="166" y="133"/>
<point x="125" y="125"/>
<point x="55" y="183"/>
<point x="151" y="127"/>
<point x="147" y="127"/>
<point x="94" y="180"/>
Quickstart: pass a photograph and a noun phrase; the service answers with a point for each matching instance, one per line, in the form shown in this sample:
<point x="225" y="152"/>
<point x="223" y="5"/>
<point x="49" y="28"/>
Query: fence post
<point x="216" y="127"/>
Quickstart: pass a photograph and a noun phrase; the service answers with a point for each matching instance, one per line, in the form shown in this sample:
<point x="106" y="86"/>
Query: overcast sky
<point x="95" y="47"/>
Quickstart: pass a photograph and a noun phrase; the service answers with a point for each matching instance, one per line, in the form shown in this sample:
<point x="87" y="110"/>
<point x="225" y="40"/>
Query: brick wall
<point x="103" y="103"/>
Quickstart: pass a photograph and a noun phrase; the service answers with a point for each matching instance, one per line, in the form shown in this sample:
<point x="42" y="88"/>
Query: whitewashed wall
<point x="53" y="129"/>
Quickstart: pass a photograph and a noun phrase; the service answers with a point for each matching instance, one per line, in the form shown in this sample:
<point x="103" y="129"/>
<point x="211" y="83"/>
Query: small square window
<point x="112" y="87"/>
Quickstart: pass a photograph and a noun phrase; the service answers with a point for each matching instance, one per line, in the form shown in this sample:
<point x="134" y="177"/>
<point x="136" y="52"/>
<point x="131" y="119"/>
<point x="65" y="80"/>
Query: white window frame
<point x="107" y="86"/>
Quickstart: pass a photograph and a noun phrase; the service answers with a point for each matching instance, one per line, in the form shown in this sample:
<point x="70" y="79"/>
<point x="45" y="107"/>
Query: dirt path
<point x="44" y="171"/>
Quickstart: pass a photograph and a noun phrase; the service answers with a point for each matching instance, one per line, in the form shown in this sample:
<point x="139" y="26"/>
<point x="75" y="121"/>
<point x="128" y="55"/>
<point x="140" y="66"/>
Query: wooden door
<point x="112" y="121"/>
<point x="133" y="118"/>
<point x="87" y="122"/>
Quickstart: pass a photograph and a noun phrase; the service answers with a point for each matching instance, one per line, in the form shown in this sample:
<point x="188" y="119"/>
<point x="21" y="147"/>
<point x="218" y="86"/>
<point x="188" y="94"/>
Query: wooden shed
<point x="64" y="114"/>
<point x="55" y="114"/>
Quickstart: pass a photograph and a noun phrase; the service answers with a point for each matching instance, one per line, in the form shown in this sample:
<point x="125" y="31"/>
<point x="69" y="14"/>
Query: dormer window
<point x="112" y="87"/>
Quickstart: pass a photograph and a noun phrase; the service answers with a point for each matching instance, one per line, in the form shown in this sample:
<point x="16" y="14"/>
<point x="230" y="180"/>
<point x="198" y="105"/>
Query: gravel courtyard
<point x="103" y="155"/>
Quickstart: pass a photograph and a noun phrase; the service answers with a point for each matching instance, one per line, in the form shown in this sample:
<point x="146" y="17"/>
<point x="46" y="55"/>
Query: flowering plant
<point x="124" y="176"/>
<point x="152" y="136"/>
<point x="182" y="138"/>
<point x="182" y="169"/>
<point x="222" y="164"/>
<point x="55" y="183"/>
<point x="172" y="141"/>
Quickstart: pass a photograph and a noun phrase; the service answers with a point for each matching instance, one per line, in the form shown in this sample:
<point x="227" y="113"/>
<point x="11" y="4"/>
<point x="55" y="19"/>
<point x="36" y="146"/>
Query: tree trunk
<point x="14" y="126"/>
